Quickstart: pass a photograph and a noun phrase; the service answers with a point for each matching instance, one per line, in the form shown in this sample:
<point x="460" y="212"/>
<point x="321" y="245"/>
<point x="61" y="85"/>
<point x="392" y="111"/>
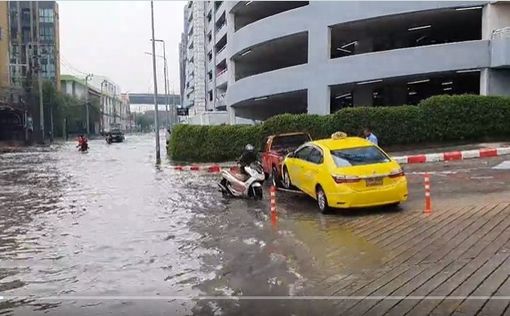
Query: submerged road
<point x="109" y="233"/>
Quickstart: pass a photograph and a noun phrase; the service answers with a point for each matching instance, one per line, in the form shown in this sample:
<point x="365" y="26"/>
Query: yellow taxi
<point x="345" y="172"/>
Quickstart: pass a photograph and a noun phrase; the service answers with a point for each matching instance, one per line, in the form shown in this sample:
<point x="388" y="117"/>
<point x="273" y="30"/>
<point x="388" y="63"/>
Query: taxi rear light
<point x="346" y="179"/>
<point x="396" y="173"/>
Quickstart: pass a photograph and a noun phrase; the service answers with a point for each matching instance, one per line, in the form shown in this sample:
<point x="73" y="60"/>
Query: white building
<point x="204" y="62"/>
<point x="318" y="57"/>
<point x="115" y="109"/>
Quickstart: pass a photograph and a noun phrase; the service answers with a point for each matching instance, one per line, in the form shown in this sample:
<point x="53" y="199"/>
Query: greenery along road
<point x="437" y="119"/>
<point x="65" y="106"/>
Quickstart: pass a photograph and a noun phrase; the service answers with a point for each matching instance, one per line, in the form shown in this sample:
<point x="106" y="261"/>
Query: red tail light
<point x="346" y="179"/>
<point x="396" y="173"/>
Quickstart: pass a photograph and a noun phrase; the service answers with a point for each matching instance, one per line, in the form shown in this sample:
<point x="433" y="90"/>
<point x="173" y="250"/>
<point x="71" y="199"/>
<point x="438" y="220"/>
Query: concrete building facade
<point x="4" y="47"/>
<point x="204" y="71"/>
<point x="318" y="57"/>
<point x="34" y="42"/>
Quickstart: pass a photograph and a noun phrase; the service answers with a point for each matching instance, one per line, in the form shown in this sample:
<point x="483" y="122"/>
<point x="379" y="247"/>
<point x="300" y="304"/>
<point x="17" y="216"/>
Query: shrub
<point x="437" y="119"/>
<point x="211" y="143"/>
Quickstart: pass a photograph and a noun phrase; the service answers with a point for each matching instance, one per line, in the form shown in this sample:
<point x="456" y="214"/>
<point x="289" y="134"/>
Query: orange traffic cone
<point x="428" y="202"/>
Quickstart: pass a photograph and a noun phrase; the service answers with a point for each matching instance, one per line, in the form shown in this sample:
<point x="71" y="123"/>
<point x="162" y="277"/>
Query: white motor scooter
<point x="241" y="185"/>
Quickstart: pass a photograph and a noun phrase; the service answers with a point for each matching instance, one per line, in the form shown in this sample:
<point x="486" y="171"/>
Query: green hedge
<point x="437" y="119"/>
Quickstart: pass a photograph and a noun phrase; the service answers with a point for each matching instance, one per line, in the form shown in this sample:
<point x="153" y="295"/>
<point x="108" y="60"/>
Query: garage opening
<point x="408" y="90"/>
<point x="247" y="12"/>
<point x="406" y="30"/>
<point x="280" y="53"/>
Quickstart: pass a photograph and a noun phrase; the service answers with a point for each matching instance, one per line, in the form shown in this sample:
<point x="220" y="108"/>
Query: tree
<point x="144" y="122"/>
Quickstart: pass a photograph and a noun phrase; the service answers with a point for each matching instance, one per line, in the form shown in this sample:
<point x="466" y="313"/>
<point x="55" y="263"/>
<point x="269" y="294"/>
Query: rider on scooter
<point x="248" y="157"/>
<point x="82" y="143"/>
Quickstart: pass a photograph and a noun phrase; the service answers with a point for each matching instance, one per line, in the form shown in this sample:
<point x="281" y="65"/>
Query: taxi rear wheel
<point x="322" y="200"/>
<point x="287" y="184"/>
<point x="275" y="177"/>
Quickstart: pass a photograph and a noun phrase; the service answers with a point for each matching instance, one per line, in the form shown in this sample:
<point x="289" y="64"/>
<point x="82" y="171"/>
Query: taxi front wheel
<point x="322" y="200"/>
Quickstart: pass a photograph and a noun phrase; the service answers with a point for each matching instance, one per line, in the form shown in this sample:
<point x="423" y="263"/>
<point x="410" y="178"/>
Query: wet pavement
<point x="109" y="233"/>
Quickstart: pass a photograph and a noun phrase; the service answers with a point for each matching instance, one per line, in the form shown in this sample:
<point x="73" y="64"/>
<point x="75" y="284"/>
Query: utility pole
<point x="36" y="66"/>
<point x="165" y="71"/>
<point x="41" y="105"/>
<point x="51" y="124"/>
<point x="156" y="119"/>
<point x="89" y="76"/>
<point x="64" y="128"/>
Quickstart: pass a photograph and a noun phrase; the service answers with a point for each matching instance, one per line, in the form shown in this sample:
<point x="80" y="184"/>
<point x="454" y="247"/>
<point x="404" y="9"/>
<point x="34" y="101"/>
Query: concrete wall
<point x="209" y="118"/>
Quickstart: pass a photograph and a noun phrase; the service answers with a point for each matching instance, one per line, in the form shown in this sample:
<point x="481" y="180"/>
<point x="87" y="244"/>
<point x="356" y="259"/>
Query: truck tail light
<point x="346" y="179"/>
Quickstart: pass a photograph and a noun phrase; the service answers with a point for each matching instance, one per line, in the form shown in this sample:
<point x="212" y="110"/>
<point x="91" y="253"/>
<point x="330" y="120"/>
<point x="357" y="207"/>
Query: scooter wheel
<point x="258" y="193"/>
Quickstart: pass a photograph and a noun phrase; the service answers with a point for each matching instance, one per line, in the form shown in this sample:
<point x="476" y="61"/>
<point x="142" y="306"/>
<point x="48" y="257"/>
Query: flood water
<point x="110" y="233"/>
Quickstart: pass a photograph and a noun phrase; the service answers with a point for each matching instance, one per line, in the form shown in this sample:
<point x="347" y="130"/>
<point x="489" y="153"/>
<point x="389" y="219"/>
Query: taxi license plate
<point x="374" y="181"/>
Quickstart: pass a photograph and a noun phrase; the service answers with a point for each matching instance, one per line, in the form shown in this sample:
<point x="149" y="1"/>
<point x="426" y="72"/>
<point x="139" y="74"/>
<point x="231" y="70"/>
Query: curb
<point x="411" y="159"/>
<point x="453" y="155"/>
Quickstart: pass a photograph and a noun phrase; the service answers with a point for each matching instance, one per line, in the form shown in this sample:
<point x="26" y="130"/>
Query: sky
<point x="109" y="38"/>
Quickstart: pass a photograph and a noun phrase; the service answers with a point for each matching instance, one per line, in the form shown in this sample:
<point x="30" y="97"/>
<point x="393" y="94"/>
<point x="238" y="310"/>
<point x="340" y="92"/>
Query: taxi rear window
<point x="358" y="156"/>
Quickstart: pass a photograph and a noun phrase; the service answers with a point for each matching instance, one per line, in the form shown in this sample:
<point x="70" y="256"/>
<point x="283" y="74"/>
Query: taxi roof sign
<point x="339" y="135"/>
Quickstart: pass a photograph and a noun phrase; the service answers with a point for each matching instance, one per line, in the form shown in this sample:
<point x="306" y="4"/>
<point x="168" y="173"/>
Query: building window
<point x="210" y="95"/>
<point x="46" y="16"/>
<point x="46" y="33"/>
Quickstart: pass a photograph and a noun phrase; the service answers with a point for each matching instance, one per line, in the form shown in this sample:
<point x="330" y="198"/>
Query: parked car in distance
<point x="276" y="147"/>
<point x="345" y="172"/>
<point x="117" y="135"/>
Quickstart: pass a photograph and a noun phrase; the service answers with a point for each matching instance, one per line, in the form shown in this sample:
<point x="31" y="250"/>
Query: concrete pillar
<point x="231" y="115"/>
<point x="318" y="99"/>
<point x="319" y="44"/>
<point x="362" y="96"/>
<point x="319" y="52"/>
<point x="495" y="16"/>
<point x="495" y="82"/>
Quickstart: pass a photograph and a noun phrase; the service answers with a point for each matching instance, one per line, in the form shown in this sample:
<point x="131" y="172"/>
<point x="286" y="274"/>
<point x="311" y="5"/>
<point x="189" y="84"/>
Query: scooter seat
<point x="241" y="176"/>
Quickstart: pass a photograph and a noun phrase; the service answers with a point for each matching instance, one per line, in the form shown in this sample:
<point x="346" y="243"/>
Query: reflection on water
<point x="110" y="223"/>
<point x="102" y="223"/>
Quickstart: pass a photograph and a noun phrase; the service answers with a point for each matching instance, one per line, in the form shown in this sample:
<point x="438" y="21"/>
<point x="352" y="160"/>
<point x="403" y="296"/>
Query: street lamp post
<point x="156" y="119"/>
<point x="87" y="78"/>
<point x="165" y="71"/>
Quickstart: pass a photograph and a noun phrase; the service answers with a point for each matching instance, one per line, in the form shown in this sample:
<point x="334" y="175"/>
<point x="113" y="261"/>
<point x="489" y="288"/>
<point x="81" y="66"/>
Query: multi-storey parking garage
<point x="318" y="57"/>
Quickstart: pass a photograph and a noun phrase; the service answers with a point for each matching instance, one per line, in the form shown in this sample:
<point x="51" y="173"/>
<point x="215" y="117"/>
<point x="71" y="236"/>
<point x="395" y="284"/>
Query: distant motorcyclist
<point x="109" y="138"/>
<point x="82" y="143"/>
<point x="248" y="157"/>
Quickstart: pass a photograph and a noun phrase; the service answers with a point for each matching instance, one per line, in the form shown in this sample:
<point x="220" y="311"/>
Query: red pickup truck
<point x="276" y="147"/>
